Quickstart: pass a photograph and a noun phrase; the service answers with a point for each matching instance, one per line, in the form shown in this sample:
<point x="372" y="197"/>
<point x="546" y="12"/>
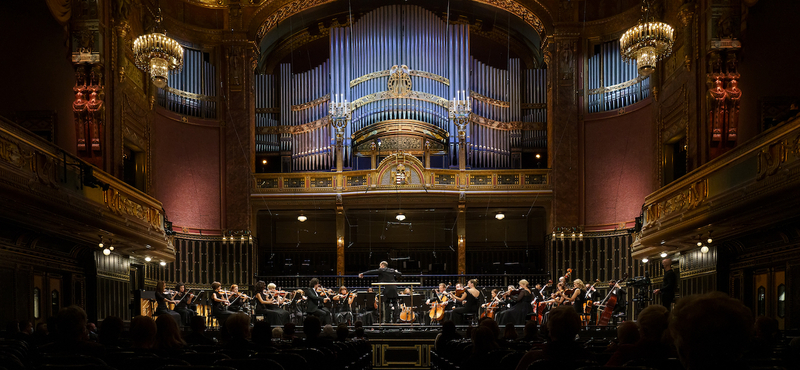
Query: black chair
<point x="68" y="360"/>
<point x="314" y="357"/>
<point x="510" y="360"/>
<point x="668" y="364"/>
<point x="203" y="358"/>
<point x="204" y="348"/>
<point x="250" y="364"/>
<point x="191" y="367"/>
<point x="74" y="367"/>
<point x="237" y="353"/>
<point x="11" y="362"/>
<point x="615" y="368"/>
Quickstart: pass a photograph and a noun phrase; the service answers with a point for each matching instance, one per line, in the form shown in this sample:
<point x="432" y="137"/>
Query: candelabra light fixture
<point x="460" y="112"/>
<point x="573" y="233"/>
<point x="340" y="114"/>
<point x="647" y="42"/>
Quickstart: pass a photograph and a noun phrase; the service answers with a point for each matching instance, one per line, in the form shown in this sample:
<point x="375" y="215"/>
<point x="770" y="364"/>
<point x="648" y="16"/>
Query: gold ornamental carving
<point x="188" y="95"/>
<point x="311" y="104"/>
<point x="507" y="126"/>
<point x="688" y="199"/>
<point x="416" y="95"/>
<point x="487" y="100"/>
<point x="399" y="84"/>
<point x="770" y="159"/>
<point x="618" y="86"/>
<point x="388" y="72"/>
<point x="122" y="205"/>
<point x="299" y="129"/>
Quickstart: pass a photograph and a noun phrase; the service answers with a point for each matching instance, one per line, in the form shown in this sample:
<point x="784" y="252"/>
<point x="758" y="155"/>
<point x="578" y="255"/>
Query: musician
<point x="220" y="303"/>
<point x="316" y="302"/>
<point x="471" y="295"/>
<point x="184" y="299"/>
<point x="593" y="295"/>
<point x="236" y="299"/>
<point x="161" y="303"/>
<point x="669" y="285"/>
<point x="387" y="275"/>
<point x="459" y="295"/>
<point x="520" y="300"/>
<point x="345" y="300"/>
<point x="268" y="303"/>
<point x="578" y="297"/>
<point x="439" y="296"/>
<point x="622" y="300"/>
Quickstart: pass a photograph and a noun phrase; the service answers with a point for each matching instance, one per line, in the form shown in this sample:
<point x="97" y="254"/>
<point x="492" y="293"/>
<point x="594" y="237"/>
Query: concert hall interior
<point x="237" y="141"/>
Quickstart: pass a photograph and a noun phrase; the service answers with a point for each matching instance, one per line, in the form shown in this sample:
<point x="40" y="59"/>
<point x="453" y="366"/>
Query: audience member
<point x="342" y="332"/>
<point x="328" y="332"/>
<point x="110" y="333"/>
<point x="448" y="333"/>
<point x="72" y="335"/>
<point x="510" y="332"/>
<point x="143" y="332"/>
<point x="627" y="334"/>
<point x="483" y="342"/>
<point x="650" y="346"/>
<point x="767" y="336"/>
<point x="238" y="327"/>
<point x="288" y="331"/>
<point x="168" y="334"/>
<point x="711" y="331"/>
<point x="261" y="333"/>
<point x="277" y="333"/>
<point x="198" y="334"/>
<point x="563" y="326"/>
<point x="531" y="332"/>
<point x="41" y="336"/>
<point x="91" y="329"/>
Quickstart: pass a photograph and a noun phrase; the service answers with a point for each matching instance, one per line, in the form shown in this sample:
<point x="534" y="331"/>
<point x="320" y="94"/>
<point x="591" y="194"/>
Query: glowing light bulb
<point x="645" y="260"/>
<point x="663" y="254"/>
<point x="163" y="263"/>
<point x="106" y="252"/>
<point x="147" y="259"/>
<point x="704" y="250"/>
<point x="500" y="216"/>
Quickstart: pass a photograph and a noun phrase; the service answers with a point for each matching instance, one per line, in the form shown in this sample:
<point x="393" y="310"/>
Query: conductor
<point x="387" y="275"/>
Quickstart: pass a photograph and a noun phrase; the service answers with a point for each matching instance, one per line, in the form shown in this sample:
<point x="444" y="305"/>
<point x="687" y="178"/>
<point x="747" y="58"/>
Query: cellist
<point x="439" y="297"/>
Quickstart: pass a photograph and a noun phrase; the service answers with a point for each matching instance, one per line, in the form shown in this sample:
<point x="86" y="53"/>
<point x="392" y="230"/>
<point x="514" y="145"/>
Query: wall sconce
<point x="340" y="241"/>
<point x="231" y="236"/>
<point x="574" y="233"/>
<point x="461" y="240"/>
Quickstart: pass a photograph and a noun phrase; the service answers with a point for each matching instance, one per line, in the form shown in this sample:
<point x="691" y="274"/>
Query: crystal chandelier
<point x="157" y="54"/>
<point x="647" y="42"/>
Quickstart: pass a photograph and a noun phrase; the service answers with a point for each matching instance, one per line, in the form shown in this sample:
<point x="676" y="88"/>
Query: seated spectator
<point x="483" y="342"/>
<point x="359" y="334"/>
<point x="143" y="333"/>
<point x="448" y="333"/>
<point x="627" y="334"/>
<point x="563" y="326"/>
<point x="110" y="333"/>
<point x="261" y="333"/>
<point x="91" y="328"/>
<point x="342" y="332"/>
<point x="531" y="332"/>
<point x="168" y="335"/>
<point x="328" y="332"/>
<point x="72" y="338"/>
<point x="651" y="345"/>
<point x="711" y="331"/>
<point x="238" y="327"/>
<point x="494" y="327"/>
<point x="277" y="333"/>
<point x="288" y="331"/>
<point x="767" y="337"/>
<point x="198" y="334"/>
<point x="510" y="332"/>
<point x="41" y="336"/>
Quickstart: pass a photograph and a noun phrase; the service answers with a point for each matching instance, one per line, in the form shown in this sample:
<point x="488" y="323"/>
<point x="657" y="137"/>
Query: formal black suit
<point x="315" y="306"/>
<point x="391" y="308"/>
<point x="668" y="288"/>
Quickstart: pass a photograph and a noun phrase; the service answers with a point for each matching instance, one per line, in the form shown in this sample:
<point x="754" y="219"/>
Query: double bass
<point x="437" y="308"/>
<point x="610" y="303"/>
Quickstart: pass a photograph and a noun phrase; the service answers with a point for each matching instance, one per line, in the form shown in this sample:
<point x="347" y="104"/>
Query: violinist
<point x="459" y="295"/>
<point x="317" y="297"/>
<point x="220" y="303"/>
<point x="236" y="299"/>
<point x="184" y="299"/>
<point x="470" y="300"/>
<point x="345" y="300"/>
<point x="578" y="297"/>
<point x="268" y="303"/>
<point x="162" y="300"/>
<point x="520" y="299"/>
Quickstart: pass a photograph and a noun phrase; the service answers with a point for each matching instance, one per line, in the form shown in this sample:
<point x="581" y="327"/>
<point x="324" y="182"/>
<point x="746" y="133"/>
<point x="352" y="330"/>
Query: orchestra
<point x="516" y="304"/>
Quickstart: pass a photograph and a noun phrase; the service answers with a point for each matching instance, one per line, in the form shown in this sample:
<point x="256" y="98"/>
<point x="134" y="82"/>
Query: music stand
<point x="380" y="309"/>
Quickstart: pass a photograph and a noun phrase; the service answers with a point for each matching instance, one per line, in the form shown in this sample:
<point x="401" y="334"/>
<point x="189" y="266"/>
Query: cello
<point x="437" y="308"/>
<point x="587" y="307"/>
<point x="610" y="303"/>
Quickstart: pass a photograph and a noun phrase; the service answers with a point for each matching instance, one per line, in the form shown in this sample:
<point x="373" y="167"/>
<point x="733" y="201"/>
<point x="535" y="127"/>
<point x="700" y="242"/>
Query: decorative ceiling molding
<point x="297" y="6"/>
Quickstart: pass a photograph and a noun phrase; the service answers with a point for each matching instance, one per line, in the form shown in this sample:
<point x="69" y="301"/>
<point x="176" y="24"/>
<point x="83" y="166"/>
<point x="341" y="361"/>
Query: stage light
<point x="148" y="259"/>
<point x="302" y="218"/>
<point x="106" y="252"/>
<point x="499" y="216"/>
<point x="400" y="217"/>
<point x="645" y="260"/>
<point x="704" y="250"/>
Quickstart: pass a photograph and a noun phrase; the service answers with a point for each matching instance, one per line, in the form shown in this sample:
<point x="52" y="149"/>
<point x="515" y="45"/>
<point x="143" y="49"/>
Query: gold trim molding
<point x="189" y="95"/>
<point x="488" y="100"/>
<point x="687" y="199"/>
<point x="416" y="95"/>
<point x="313" y="103"/>
<point x="299" y="129"/>
<point x="507" y="126"/>
<point x="618" y="86"/>
<point x="411" y="72"/>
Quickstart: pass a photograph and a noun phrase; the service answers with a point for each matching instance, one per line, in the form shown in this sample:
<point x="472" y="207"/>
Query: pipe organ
<point x="613" y="83"/>
<point x="398" y="68"/>
<point x="191" y="91"/>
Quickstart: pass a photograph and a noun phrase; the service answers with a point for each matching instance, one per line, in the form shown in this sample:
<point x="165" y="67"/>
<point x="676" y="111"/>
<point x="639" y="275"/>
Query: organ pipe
<point x="613" y="83"/>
